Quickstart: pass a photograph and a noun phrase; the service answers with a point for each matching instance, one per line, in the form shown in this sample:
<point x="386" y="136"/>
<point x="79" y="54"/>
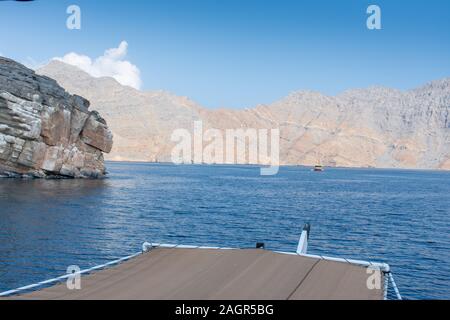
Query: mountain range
<point x="371" y="127"/>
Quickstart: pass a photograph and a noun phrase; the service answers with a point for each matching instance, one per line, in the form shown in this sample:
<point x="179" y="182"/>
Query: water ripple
<point x="397" y="216"/>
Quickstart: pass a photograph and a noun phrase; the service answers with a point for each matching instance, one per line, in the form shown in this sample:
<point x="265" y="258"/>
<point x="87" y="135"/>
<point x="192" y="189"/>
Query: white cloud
<point x="110" y="64"/>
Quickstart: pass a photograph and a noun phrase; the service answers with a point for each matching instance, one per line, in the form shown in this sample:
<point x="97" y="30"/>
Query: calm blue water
<point x="395" y="216"/>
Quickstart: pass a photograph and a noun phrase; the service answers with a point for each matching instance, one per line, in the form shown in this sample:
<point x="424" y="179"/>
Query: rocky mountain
<point x="372" y="127"/>
<point x="44" y="130"/>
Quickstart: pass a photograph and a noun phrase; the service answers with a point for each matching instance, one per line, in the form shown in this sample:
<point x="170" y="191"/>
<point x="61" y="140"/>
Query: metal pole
<point x="302" y="247"/>
<point x="399" y="297"/>
<point x="386" y="285"/>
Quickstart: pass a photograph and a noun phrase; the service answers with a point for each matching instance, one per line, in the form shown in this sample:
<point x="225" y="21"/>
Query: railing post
<point x="302" y="247"/>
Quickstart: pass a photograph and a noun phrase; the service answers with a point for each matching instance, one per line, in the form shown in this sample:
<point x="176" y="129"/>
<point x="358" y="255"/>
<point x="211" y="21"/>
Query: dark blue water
<point x="394" y="216"/>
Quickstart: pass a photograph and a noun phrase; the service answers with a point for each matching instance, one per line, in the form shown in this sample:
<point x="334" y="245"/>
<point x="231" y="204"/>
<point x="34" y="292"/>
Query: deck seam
<point x="303" y="280"/>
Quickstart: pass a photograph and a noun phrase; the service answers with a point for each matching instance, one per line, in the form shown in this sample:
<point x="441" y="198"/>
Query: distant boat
<point x="318" y="168"/>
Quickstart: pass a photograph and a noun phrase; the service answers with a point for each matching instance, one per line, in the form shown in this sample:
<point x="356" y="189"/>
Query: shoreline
<point x="281" y="166"/>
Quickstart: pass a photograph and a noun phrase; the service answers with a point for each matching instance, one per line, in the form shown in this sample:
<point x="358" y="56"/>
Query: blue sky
<point x="239" y="53"/>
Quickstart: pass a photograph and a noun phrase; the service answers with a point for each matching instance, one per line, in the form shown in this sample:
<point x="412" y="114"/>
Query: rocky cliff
<point x="45" y="131"/>
<point x="372" y="127"/>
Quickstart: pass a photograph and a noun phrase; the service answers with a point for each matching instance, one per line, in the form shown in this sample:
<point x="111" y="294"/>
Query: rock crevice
<point x="45" y="131"/>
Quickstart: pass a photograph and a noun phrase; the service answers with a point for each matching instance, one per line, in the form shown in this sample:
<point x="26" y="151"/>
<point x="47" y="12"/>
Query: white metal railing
<point x="302" y="248"/>
<point x="65" y="277"/>
<point x="383" y="267"/>
<point x="147" y="246"/>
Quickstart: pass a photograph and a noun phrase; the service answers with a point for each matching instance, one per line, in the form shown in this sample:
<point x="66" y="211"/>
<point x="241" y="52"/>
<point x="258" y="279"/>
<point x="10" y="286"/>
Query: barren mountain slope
<point x="373" y="127"/>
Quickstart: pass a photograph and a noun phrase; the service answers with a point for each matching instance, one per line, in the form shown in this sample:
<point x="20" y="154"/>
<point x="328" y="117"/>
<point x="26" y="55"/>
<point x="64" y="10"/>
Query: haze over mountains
<point x="372" y="127"/>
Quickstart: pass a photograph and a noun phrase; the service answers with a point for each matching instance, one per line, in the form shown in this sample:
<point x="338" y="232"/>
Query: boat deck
<point x="215" y="274"/>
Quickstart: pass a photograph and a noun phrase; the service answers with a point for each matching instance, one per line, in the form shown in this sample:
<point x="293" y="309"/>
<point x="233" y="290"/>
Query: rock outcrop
<point x="45" y="131"/>
<point x="372" y="127"/>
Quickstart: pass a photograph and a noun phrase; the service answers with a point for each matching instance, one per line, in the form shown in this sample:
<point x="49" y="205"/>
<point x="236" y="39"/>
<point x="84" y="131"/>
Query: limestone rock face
<point x="45" y="131"/>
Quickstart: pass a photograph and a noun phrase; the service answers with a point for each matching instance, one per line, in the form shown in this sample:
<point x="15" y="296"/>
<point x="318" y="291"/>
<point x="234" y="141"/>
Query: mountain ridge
<point x="370" y="127"/>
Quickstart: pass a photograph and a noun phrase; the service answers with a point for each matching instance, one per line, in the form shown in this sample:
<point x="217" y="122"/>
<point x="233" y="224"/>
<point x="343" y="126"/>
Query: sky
<point x="236" y="53"/>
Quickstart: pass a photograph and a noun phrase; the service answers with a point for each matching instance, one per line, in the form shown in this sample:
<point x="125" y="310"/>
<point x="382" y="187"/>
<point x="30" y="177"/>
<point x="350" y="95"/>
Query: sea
<point x="401" y="217"/>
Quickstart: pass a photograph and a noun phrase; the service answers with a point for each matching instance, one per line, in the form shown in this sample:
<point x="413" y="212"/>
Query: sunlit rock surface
<point x="371" y="127"/>
<point x="45" y="131"/>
